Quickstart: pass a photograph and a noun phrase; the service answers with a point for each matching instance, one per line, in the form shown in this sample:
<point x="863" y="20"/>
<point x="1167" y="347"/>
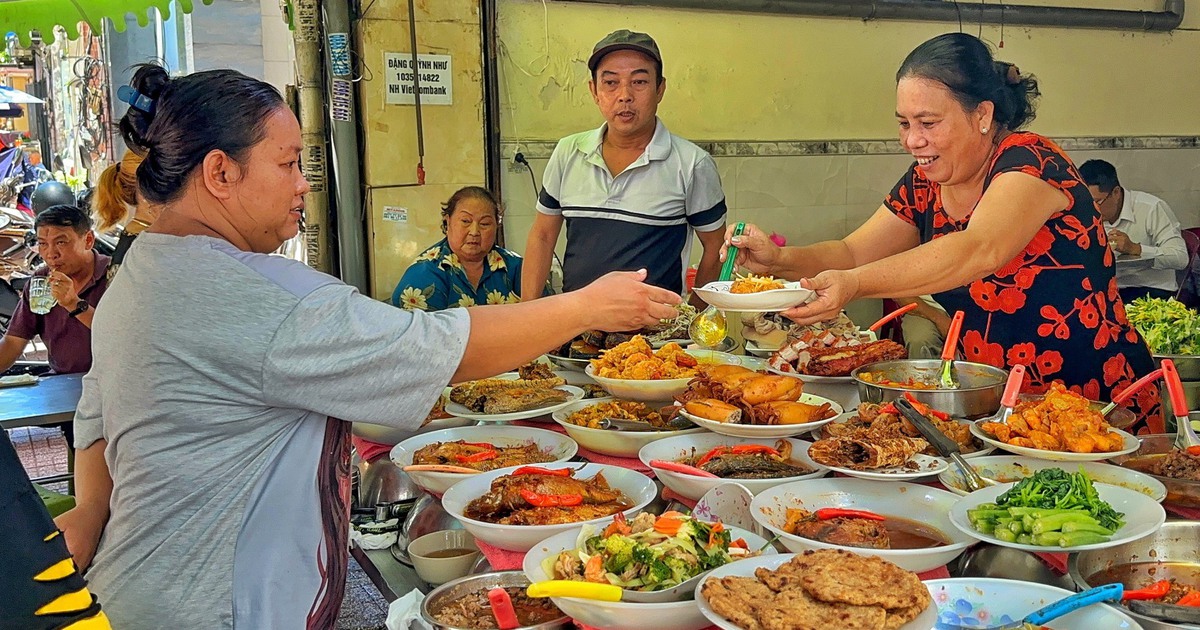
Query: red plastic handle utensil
<point x="1128" y="392"/>
<point x="1012" y="389"/>
<point x="681" y="468"/>
<point x="1179" y="404"/>
<point x="951" y="347"/>
<point x="502" y="609"/>
<point x="893" y="315"/>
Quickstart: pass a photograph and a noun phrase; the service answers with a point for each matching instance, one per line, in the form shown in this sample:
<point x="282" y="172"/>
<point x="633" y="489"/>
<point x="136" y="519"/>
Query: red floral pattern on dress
<point x="1054" y="307"/>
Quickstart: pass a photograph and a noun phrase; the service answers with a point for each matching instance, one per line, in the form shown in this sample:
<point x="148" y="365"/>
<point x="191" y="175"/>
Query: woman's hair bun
<point x="149" y="81"/>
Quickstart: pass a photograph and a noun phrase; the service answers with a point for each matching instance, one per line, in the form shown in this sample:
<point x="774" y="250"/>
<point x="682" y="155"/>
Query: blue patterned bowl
<point x="986" y="602"/>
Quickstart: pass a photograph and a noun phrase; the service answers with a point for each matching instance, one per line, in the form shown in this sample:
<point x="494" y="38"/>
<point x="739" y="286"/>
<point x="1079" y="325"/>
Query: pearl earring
<point x="983" y="130"/>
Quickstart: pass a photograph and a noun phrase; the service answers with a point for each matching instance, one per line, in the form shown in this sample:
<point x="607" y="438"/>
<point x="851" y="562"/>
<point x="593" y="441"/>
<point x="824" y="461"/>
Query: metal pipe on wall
<point x="491" y="100"/>
<point x="939" y="11"/>
<point x="311" y="97"/>
<point x="344" y="149"/>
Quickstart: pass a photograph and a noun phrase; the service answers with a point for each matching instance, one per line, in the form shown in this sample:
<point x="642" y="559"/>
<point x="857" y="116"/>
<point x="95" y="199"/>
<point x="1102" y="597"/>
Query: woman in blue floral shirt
<point x="465" y="268"/>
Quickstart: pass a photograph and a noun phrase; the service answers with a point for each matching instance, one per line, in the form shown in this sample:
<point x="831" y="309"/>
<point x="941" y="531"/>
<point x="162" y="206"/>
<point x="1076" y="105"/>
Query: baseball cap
<point x="624" y="39"/>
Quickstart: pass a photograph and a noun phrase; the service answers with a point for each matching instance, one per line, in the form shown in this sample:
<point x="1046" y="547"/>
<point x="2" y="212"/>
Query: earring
<point x="983" y="130"/>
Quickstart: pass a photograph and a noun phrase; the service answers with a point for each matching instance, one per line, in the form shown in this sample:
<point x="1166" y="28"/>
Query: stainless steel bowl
<point x="1191" y="392"/>
<point x="475" y="583"/>
<point x="1181" y="492"/>
<point x="1137" y="564"/>
<point x="982" y="386"/>
<point x="1188" y="365"/>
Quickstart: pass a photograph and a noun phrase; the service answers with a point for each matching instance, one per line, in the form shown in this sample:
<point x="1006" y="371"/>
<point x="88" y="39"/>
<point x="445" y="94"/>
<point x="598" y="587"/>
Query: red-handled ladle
<point x="502" y="609"/>
<point x="947" y="377"/>
<point x="1012" y="392"/>
<point x="893" y="315"/>
<point x="1128" y="392"/>
<point x="683" y="469"/>
<point x="1185" y="435"/>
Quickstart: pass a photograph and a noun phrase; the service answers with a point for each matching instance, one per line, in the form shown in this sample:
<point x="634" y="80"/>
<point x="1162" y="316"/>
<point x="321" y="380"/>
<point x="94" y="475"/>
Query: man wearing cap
<point x="631" y="193"/>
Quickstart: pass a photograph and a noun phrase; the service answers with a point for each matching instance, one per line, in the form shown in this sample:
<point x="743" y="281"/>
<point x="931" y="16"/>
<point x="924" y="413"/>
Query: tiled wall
<point x="810" y="197"/>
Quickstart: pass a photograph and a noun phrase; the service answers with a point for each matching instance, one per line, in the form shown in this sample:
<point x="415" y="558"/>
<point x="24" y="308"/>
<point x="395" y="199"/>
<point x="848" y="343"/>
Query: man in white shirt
<point x="631" y="193"/>
<point x="1139" y="225"/>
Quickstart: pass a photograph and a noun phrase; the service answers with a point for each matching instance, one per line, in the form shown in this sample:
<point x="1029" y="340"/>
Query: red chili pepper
<point x="483" y="445"/>
<point x="473" y="458"/>
<point x="551" y="500"/>
<point x="707" y="457"/>
<point x="1191" y="599"/>
<point x="741" y="449"/>
<point x="824" y="514"/>
<point x="1193" y="450"/>
<point x="925" y="410"/>
<point x="538" y="470"/>
<point x="741" y="542"/>
<point x="1154" y="591"/>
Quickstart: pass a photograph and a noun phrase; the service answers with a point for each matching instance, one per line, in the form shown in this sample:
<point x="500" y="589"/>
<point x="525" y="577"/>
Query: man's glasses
<point x="1100" y="201"/>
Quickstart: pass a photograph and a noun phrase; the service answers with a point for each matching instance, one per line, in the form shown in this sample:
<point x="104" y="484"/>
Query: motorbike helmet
<point x="51" y="193"/>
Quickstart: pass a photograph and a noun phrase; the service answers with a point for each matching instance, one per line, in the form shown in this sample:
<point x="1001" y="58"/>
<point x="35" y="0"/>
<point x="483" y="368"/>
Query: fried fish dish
<point x="480" y="456"/>
<point x="819" y="590"/>
<point x="546" y="497"/>
<point x="497" y="395"/>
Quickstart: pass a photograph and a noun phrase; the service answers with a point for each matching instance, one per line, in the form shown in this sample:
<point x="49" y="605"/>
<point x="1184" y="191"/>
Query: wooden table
<point x="51" y="401"/>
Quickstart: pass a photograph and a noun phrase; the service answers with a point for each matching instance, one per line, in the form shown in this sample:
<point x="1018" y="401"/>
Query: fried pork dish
<point x="866" y="455"/>
<point x="1061" y="421"/>
<point x="1177" y="464"/>
<point x="546" y="497"/>
<point x="636" y="360"/>
<point x="751" y="283"/>
<point x="734" y="394"/>
<point x="474" y="610"/>
<point x="480" y="456"/>
<point x="496" y="395"/>
<point x="875" y="422"/>
<point x="837" y="361"/>
<point x="842" y="530"/>
<point x="748" y="461"/>
<point x="591" y="416"/>
<point x="821" y="590"/>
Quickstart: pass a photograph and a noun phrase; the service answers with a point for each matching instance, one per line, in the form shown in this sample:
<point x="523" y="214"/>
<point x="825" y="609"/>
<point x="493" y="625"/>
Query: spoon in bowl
<point x="1185" y="435"/>
<point x="947" y="377"/>
<point x="708" y="328"/>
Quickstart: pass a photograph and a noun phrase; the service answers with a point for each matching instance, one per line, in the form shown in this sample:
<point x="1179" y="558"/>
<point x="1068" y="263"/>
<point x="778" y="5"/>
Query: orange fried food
<point x="755" y="284"/>
<point x="1061" y="421"/>
<point x="636" y="360"/>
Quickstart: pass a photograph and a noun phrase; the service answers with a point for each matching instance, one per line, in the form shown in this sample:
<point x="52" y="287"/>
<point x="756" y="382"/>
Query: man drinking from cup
<point x="60" y="298"/>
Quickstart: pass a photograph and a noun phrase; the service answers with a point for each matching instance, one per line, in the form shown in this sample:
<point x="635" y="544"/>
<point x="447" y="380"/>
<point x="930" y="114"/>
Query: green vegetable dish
<point x="1168" y="326"/>
<point x="648" y="553"/>
<point x="1053" y="508"/>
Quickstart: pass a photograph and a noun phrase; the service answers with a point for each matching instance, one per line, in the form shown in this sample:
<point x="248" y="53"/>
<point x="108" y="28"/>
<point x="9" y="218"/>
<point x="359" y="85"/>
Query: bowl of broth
<point x="915" y="545"/>
<point x="442" y="556"/>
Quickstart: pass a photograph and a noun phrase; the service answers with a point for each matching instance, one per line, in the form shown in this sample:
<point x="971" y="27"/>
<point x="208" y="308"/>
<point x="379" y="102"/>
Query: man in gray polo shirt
<point x="631" y="193"/>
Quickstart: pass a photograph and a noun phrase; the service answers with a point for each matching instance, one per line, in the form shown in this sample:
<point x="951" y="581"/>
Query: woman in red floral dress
<point x="995" y="222"/>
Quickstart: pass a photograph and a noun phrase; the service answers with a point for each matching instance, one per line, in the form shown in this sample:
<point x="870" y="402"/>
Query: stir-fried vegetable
<point x="1168" y="326"/>
<point x="1054" y="488"/>
<point x="648" y="553"/>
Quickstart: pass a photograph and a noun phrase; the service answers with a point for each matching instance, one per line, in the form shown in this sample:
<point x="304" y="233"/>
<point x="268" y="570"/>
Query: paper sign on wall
<point x="395" y="214"/>
<point x="433" y="74"/>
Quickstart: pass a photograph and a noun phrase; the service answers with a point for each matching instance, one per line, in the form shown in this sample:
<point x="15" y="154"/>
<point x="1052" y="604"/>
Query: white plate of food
<point x="887" y="459"/>
<point x="785" y="295"/>
<point x="850" y="425"/>
<point x="1013" y="468"/>
<point x="1142" y="515"/>
<point x="608" y="441"/>
<point x="572" y="392"/>
<point x="735" y="429"/>
<point x="755" y="471"/>
<point x="1130" y="444"/>
<point x="491" y="519"/>
<point x="884" y="595"/>
<point x="916" y="533"/>
<point x="515" y="446"/>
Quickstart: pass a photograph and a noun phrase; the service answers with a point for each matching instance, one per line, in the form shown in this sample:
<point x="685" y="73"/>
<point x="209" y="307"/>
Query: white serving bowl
<point x="985" y="602"/>
<point x="638" y="487"/>
<point x="615" y="443"/>
<point x="684" y="615"/>
<point x="775" y="431"/>
<point x="560" y="446"/>
<point x="746" y="568"/>
<point x="385" y="434"/>
<point x="1012" y="468"/>
<point x="693" y="487"/>
<point x="661" y="390"/>
<point x="927" y="505"/>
